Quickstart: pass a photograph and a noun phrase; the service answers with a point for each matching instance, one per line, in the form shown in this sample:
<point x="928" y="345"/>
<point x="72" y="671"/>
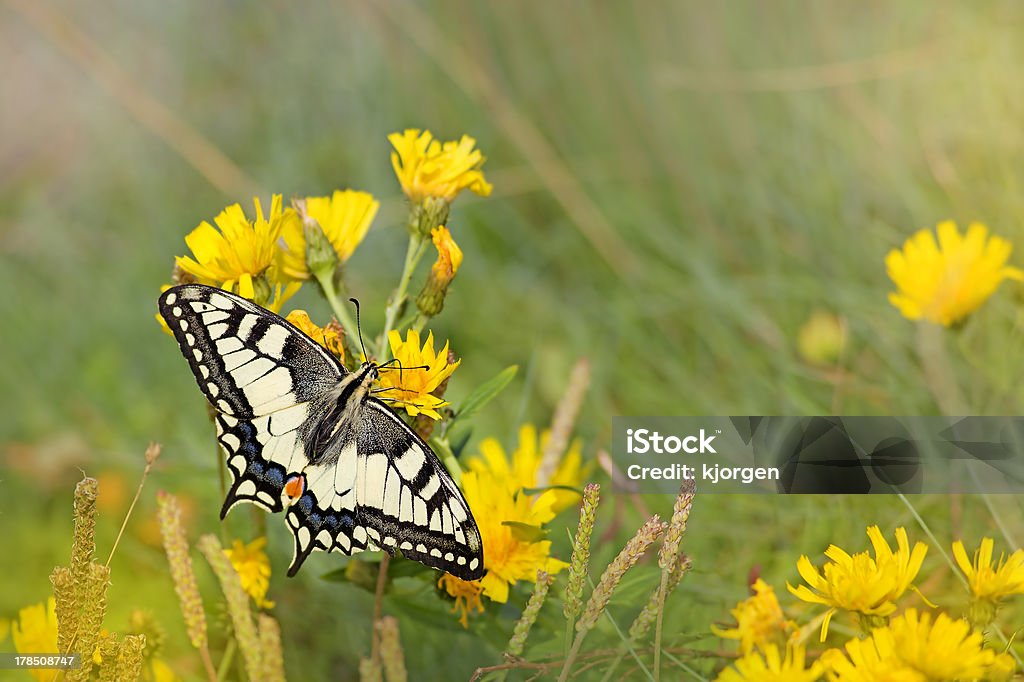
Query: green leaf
<point x="524" y="532"/>
<point x="459" y="441"/>
<point x="485" y="392"/>
<point x="567" y="488"/>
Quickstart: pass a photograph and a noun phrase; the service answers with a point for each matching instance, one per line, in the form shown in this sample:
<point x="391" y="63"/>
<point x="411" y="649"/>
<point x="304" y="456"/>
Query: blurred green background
<point x="678" y="186"/>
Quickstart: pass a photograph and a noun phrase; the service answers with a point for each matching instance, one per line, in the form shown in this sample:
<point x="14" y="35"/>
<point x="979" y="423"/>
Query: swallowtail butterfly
<point x="303" y="435"/>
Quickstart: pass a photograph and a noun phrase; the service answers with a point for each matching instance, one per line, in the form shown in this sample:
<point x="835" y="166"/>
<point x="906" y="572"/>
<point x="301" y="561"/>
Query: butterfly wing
<point x="262" y="376"/>
<point x="388" y="490"/>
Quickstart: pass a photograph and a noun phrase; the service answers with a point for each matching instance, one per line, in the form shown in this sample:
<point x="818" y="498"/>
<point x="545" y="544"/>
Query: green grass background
<point x="677" y="187"/>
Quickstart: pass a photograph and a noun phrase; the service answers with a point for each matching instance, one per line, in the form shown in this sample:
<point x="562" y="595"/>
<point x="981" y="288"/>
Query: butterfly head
<point x="370" y="371"/>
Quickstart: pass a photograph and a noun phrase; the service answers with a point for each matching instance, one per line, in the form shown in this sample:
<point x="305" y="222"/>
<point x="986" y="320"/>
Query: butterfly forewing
<point x="278" y="397"/>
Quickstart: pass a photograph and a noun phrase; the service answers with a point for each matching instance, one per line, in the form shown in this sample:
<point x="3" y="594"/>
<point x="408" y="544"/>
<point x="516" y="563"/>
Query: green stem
<point x="419" y="322"/>
<point x="662" y="589"/>
<point x="571" y="657"/>
<point x="225" y="662"/>
<point x="938" y="370"/>
<point x="413" y="255"/>
<point x="326" y="281"/>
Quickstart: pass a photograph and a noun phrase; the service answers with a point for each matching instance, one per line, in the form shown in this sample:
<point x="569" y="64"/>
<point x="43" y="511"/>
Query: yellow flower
<point x="521" y="472"/>
<point x="429" y="168"/>
<point x="162" y="672"/>
<point x="1002" y="668"/>
<point x="467" y="596"/>
<point x="988" y="581"/>
<point x="253" y="568"/>
<point x="858" y="583"/>
<point x="505" y="518"/>
<point x="914" y="647"/>
<point x="243" y="256"/>
<point x="330" y="337"/>
<point x="344" y="217"/>
<point x="35" y="632"/>
<point x="947" y="281"/>
<point x="772" y="667"/>
<point x="759" y="620"/>
<point x="418" y="373"/>
<point x="449" y="255"/>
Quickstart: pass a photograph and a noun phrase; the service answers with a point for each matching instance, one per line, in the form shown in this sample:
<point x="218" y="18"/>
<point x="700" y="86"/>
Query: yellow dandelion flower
<point x="759" y="620"/>
<point x="520" y="471"/>
<point x="946" y="281"/>
<point x="987" y="580"/>
<point x="253" y="568"/>
<point x="858" y="583"/>
<point x="35" y="632"/>
<point x="344" y="217"/>
<point x="773" y="667"/>
<point x="330" y="337"/>
<point x="242" y="255"/>
<point x="939" y="649"/>
<point x="430" y="168"/>
<point x="467" y="596"/>
<point x="417" y="374"/>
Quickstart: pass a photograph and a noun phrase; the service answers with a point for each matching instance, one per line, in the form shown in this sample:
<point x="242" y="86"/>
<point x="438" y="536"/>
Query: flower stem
<point x="938" y="370"/>
<point x="326" y="281"/>
<point x="413" y="255"/>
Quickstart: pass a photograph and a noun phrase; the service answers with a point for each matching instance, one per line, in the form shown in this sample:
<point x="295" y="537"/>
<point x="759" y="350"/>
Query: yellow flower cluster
<point x="511" y="518"/>
<point x="901" y="647"/>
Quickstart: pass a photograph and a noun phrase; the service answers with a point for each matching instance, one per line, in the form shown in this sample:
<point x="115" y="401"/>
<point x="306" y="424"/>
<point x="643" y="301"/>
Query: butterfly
<point x="304" y="435"/>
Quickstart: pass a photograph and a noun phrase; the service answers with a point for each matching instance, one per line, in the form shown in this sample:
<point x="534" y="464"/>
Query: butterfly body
<point x="305" y="436"/>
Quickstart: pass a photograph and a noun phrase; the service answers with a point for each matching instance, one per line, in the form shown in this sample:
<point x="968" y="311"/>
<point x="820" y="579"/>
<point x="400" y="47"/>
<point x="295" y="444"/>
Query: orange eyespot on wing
<point x="295" y="486"/>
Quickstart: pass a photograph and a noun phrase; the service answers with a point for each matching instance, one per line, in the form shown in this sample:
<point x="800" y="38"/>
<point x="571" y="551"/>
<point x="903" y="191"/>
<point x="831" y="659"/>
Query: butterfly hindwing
<point x="408" y="500"/>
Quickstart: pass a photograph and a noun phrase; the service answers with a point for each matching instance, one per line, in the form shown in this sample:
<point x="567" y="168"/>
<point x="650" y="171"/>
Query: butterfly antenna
<point x="359" y="329"/>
